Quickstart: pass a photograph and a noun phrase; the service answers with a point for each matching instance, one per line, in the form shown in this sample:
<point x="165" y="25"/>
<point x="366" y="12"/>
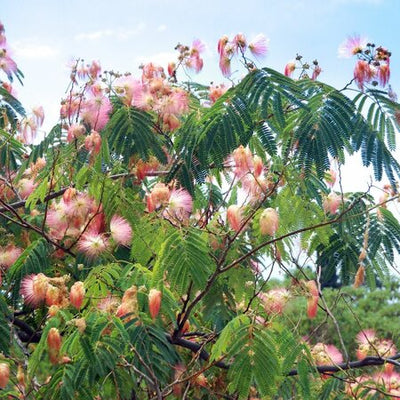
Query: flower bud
<point x="76" y="294"/>
<point x="154" y="302"/>
<point x="269" y="222"/>
<point x="4" y="375"/>
<point x="54" y="339"/>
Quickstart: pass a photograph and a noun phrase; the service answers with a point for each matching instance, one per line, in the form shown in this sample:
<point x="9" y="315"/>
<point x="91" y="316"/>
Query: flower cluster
<point x="373" y="64"/>
<point x="227" y="49"/>
<point x="176" y="204"/>
<point x="275" y="300"/>
<point x="251" y="172"/>
<point x="7" y="64"/>
<point x="76" y="217"/>
<point x="189" y="57"/>
<point x="13" y="187"/>
<point x="154" y="93"/>
<point x="303" y="67"/>
<point x="369" y="344"/>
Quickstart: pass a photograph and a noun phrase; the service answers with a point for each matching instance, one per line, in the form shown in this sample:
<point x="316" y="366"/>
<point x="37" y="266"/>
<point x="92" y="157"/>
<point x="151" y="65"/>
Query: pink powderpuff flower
<point x="75" y="131"/>
<point x="38" y="115"/>
<point x="222" y="42"/>
<point x="159" y="196"/>
<point x="93" y="142"/>
<point x="197" y="47"/>
<point x="176" y="103"/>
<point x="180" y="204"/>
<point x="76" y="294"/>
<point x="316" y="72"/>
<point x="92" y="244"/>
<point x="352" y="46"/>
<point x="94" y="70"/>
<point x="383" y="74"/>
<point x="120" y="230"/>
<point x="330" y="177"/>
<point x="259" y="46"/>
<point x="96" y="110"/>
<point x="269" y="222"/>
<point x="154" y="302"/>
<point x="25" y="187"/>
<point x="312" y="298"/>
<point x="289" y="68"/>
<point x="28" y="130"/>
<point x="363" y="73"/>
<point x="126" y="87"/>
<point x="7" y="64"/>
<point x="275" y="300"/>
<point x="216" y="91"/>
<point x="239" y="42"/>
<point x="8" y="255"/>
<point x="33" y="289"/>
<point x="171" y="122"/>
<point x="234" y="217"/>
<point x="326" y="354"/>
<point x="243" y="160"/>
<point x="225" y="65"/>
<point x="4" y="375"/>
<point x="331" y="203"/>
<point x="129" y="304"/>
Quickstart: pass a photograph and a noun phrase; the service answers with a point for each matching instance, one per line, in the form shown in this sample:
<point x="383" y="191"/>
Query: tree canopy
<point x="143" y="235"/>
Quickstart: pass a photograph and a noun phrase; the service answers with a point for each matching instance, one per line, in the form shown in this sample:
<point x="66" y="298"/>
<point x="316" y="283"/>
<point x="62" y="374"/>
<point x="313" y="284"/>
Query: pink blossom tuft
<point x="259" y="46"/>
<point x="120" y="230"/>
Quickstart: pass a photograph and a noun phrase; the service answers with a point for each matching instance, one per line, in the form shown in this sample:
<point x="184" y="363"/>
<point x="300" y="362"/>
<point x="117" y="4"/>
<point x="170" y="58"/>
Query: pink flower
<point x="269" y="222"/>
<point x="317" y="70"/>
<point x="222" y="42"/>
<point x="93" y="142"/>
<point x="325" y="354"/>
<point x="8" y="255"/>
<point x="154" y="302"/>
<point x="180" y="204"/>
<point x="331" y="203"/>
<point x="225" y="65"/>
<point x="216" y="91"/>
<point x="275" y="300"/>
<point x="234" y="217"/>
<point x="7" y="64"/>
<point x="363" y="73"/>
<point x="94" y="70"/>
<point x="383" y="74"/>
<point x="330" y="177"/>
<point x="312" y="299"/>
<point x="259" y="46"/>
<point x="289" y="68"/>
<point x="239" y="42"/>
<point x="33" y="289"/>
<point x="92" y="244"/>
<point x="26" y="187"/>
<point x="120" y="230"/>
<point x="38" y="114"/>
<point x="243" y="159"/>
<point x="352" y="46"/>
<point x="96" y="110"/>
<point x="76" y="294"/>
<point x="75" y="131"/>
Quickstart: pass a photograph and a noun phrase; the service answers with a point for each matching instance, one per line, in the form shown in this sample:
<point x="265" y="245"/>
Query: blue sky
<point x="46" y="34"/>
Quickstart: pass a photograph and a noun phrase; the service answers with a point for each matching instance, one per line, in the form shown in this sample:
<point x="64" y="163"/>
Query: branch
<point x="365" y="362"/>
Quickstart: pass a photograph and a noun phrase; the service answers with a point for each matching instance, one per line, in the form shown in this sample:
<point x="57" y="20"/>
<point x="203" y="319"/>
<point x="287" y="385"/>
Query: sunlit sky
<point x="46" y="35"/>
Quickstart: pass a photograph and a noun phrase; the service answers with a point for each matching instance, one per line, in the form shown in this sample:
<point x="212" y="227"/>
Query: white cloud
<point x="161" y="28"/>
<point x="32" y="49"/>
<point x="120" y="34"/>
<point x="162" y="58"/>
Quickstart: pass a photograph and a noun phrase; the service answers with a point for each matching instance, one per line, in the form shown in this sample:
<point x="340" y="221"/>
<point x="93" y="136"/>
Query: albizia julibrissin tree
<point x="138" y="238"/>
